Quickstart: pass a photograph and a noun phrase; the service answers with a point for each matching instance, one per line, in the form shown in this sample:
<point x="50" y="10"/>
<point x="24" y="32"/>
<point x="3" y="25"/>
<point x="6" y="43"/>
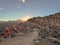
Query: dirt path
<point x="25" y="40"/>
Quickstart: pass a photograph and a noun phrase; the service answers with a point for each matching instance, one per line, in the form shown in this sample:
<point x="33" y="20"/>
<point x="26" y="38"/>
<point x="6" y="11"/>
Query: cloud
<point x="19" y="4"/>
<point x="1" y="9"/>
<point x="25" y="18"/>
<point x="23" y="1"/>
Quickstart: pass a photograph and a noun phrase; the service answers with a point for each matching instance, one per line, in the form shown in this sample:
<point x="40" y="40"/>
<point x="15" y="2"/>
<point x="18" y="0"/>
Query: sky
<point x="17" y="9"/>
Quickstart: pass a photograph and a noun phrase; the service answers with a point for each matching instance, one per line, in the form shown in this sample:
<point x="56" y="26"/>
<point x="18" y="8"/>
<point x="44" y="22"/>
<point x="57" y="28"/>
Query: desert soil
<point x="21" y="40"/>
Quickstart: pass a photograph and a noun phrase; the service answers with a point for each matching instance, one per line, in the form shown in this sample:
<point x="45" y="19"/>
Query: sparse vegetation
<point x="48" y="28"/>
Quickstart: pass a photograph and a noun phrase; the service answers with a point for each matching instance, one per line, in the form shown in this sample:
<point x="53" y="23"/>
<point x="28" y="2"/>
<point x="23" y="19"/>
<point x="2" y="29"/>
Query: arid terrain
<point x="36" y="31"/>
<point x="21" y="40"/>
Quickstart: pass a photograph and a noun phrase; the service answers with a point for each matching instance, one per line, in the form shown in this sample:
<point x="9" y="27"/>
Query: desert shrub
<point x="44" y="33"/>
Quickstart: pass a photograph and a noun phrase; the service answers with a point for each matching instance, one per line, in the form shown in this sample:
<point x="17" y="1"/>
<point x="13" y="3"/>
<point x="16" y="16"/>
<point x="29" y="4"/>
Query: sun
<point x="23" y="1"/>
<point x="25" y="18"/>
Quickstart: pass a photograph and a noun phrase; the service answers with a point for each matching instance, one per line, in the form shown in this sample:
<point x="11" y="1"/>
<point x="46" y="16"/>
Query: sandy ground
<point x="21" y="40"/>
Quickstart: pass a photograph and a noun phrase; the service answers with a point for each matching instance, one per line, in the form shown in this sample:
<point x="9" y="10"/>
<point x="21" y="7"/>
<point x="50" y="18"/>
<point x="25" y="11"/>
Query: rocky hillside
<point x="52" y="21"/>
<point x="48" y="29"/>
